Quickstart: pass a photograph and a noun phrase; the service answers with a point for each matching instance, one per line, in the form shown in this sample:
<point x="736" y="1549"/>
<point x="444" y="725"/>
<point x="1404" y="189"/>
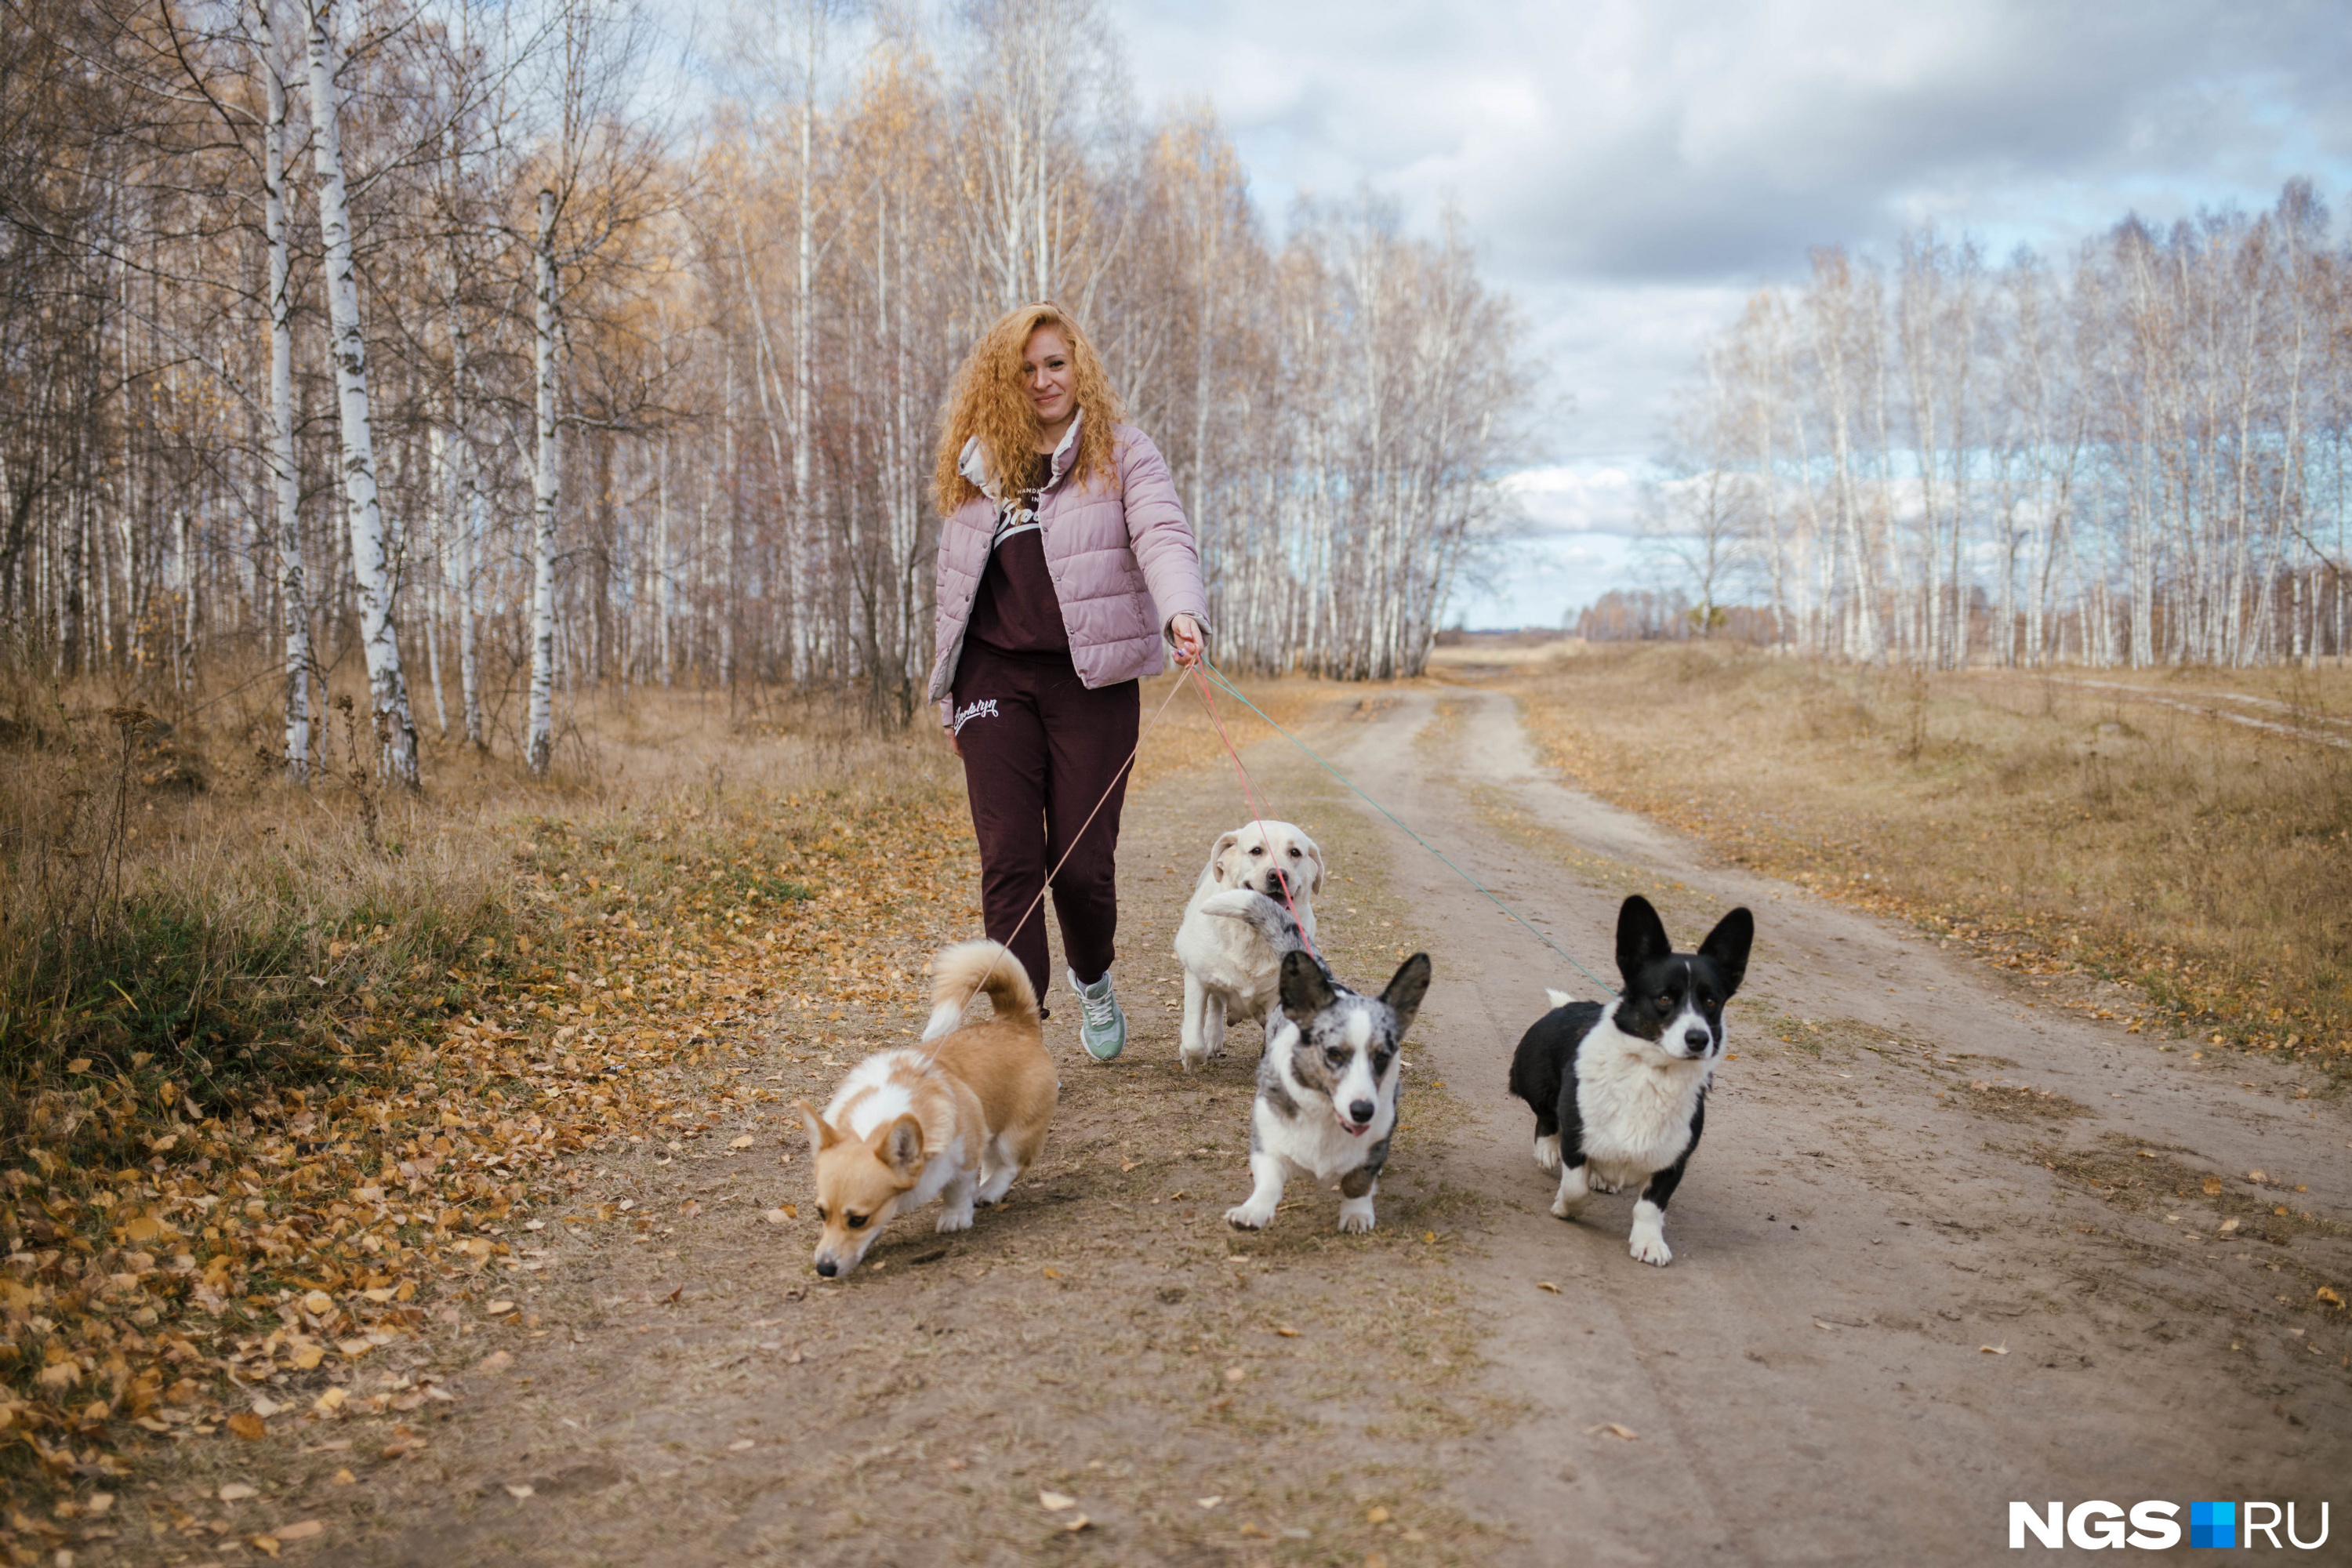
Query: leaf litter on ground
<point x="277" y="1240"/>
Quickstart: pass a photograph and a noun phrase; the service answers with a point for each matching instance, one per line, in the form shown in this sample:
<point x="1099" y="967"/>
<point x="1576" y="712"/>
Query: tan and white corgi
<point x="959" y="1117"/>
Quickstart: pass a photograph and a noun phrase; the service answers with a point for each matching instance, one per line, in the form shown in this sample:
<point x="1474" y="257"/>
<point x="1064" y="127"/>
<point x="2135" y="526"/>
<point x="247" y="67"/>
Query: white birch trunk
<point x="469" y="523"/>
<point x="540" y="733"/>
<point x="436" y="604"/>
<point x="372" y="568"/>
<point x="293" y="596"/>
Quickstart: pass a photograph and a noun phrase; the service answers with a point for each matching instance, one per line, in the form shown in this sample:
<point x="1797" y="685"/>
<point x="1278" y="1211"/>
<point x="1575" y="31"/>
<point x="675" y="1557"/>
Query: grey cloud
<point x="1698" y="141"/>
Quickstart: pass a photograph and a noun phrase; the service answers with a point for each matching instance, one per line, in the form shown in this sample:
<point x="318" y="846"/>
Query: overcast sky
<point x="1632" y="170"/>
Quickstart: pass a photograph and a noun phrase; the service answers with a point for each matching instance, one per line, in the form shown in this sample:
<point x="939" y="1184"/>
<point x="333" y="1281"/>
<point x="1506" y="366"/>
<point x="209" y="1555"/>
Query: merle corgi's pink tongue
<point x="1351" y="1128"/>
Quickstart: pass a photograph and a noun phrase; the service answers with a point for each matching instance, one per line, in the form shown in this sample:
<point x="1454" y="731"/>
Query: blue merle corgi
<point x="1326" y="1086"/>
<point x="1620" y="1093"/>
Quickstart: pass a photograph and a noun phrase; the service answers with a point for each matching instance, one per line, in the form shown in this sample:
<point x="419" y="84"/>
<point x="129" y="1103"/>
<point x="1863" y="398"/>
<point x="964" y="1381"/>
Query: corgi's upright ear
<point x="901" y="1147"/>
<point x="1641" y="937"/>
<point x="1307" y="987"/>
<point x="1405" y="990"/>
<point x="821" y="1134"/>
<point x="1726" y="947"/>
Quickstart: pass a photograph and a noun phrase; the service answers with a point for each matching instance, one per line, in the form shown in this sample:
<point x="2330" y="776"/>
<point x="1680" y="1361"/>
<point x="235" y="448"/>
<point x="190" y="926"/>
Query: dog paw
<point x="1651" y="1247"/>
<point x="1249" y="1217"/>
<point x="1567" y="1208"/>
<point x="956" y="1219"/>
<point x="1355" y="1221"/>
<point x="1598" y="1183"/>
<point x="1548" y="1152"/>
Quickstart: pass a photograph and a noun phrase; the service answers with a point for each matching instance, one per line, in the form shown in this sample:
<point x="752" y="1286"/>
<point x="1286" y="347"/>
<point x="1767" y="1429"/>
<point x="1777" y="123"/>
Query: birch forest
<point x="477" y="358"/>
<point x="2137" y="455"/>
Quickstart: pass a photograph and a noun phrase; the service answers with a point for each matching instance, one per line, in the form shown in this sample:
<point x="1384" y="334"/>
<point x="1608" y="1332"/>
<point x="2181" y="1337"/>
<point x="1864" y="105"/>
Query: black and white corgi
<point x="1326" y="1086"/>
<point x="1620" y="1093"/>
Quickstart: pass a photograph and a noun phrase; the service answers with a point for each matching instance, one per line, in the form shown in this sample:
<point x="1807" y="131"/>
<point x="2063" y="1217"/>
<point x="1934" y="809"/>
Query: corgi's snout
<point x="1359" y="1114"/>
<point x="827" y="1268"/>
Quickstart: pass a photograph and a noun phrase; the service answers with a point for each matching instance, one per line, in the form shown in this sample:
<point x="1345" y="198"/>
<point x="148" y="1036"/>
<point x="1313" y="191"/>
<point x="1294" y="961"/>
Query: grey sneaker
<point x="1102" y="1026"/>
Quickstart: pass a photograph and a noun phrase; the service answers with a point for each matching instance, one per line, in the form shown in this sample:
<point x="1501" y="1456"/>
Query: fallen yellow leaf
<point x="742" y="1142"/>
<point x="1614" y="1430"/>
<point x="302" y="1532"/>
<point x="1993" y="1350"/>
<point x="250" y="1427"/>
<point x="237" y="1491"/>
<point x="1376" y="1515"/>
<point x="1055" y="1502"/>
<point x="518" y="1491"/>
<point x="1546" y="1285"/>
<point x="498" y="1308"/>
<point x="318" y="1303"/>
<point x="1210" y="1502"/>
<point x="1077" y="1522"/>
<point x="1051" y="1272"/>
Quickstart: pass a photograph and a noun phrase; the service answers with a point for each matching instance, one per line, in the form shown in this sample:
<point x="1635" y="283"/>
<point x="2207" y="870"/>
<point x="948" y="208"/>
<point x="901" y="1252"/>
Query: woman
<point x="1064" y="560"/>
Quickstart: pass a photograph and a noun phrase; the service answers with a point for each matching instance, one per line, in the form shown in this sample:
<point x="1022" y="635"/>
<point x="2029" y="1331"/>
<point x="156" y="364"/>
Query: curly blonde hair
<point x="990" y="402"/>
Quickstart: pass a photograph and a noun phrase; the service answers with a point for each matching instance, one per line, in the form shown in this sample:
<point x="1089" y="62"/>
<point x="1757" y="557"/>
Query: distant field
<point x="2188" y="833"/>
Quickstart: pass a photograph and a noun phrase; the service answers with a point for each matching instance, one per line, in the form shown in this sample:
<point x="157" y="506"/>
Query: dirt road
<point x="1946" y="1244"/>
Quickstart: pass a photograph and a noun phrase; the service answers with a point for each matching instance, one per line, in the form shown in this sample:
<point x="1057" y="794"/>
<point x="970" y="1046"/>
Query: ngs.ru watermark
<point x="2154" y="1526"/>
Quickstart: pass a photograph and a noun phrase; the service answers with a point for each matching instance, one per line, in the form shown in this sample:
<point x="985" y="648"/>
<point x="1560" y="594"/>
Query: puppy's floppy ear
<point x="1641" y="936"/>
<point x="901" y="1147"/>
<point x="1406" y="988"/>
<point x="1727" y="946"/>
<point x="1305" y="987"/>
<point x="1314" y="853"/>
<point x="1217" y="855"/>
<point x="821" y="1135"/>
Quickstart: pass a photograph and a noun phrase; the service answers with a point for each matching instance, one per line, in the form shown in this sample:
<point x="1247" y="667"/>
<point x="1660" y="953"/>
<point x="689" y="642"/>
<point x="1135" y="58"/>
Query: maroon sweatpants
<point x="1039" y="750"/>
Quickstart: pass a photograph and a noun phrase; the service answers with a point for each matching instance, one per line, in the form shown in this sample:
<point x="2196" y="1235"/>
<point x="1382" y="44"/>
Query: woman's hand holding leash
<point x="1184" y="633"/>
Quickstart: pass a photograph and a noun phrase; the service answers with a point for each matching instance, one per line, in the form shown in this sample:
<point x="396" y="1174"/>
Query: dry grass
<point x="2131" y="828"/>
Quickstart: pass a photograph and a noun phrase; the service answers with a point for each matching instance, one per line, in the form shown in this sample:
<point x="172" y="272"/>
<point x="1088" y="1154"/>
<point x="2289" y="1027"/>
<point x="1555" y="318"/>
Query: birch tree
<point x="286" y="489"/>
<point x="372" y="565"/>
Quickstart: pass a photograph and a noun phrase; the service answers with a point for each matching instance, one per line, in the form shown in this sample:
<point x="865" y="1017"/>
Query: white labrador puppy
<point x="1230" y="966"/>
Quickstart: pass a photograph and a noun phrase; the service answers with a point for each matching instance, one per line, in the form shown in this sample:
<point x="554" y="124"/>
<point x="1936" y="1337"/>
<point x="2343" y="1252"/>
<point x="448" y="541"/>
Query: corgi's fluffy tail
<point x="1272" y="921"/>
<point x="1559" y="998"/>
<point x="962" y="972"/>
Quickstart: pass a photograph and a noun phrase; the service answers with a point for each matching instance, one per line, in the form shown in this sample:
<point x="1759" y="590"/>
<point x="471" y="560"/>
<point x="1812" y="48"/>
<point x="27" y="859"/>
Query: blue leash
<point x="1237" y="694"/>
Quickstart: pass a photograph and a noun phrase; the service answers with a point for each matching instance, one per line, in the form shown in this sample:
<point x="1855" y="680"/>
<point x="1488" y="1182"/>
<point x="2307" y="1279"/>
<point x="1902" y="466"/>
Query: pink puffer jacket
<point x="1121" y="557"/>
